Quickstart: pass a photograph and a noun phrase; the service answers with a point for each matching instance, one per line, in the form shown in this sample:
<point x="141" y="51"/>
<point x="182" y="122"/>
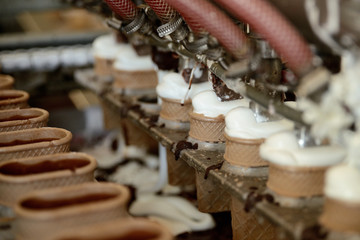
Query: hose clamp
<point x="135" y="24"/>
<point x="197" y="46"/>
<point x="169" y="27"/>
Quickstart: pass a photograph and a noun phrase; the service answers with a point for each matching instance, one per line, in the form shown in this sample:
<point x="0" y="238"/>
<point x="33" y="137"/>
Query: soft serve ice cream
<point x="244" y="134"/>
<point x="105" y="50"/>
<point x="283" y="149"/>
<point x="208" y="104"/>
<point x="134" y="72"/>
<point x="296" y="171"/>
<point x="241" y="123"/>
<point x="341" y="211"/>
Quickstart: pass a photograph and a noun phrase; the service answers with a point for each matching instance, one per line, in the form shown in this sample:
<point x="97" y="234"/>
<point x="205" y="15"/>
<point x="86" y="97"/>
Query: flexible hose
<point x="270" y="24"/>
<point x="164" y="12"/>
<point x="203" y="13"/>
<point x="126" y="9"/>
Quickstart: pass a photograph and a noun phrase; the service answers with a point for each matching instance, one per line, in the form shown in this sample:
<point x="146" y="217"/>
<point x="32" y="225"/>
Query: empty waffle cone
<point x="141" y="79"/>
<point x="173" y="110"/>
<point x="34" y="142"/>
<point x="122" y="229"/>
<point x="179" y="172"/>
<point x="243" y="152"/>
<point x="246" y="226"/>
<point x="21" y="176"/>
<point x="43" y="213"/>
<point x="207" y="129"/>
<point x="18" y="119"/>
<point x="295" y="181"/>
<point x="10" y="99"/>
<point x="341" y="216"/>
<point x="103" y="66"/>
<point x="6" y="82"/>
<point x="210" y="197"/>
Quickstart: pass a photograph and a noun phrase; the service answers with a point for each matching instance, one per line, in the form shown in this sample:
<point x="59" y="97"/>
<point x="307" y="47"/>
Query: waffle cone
<point x="101" y="202"/>
<point x="6" y="82"/>
<point x="211" y="198"/>
<point x="13" y="99"/>
<point x="126" y="228"/>
<point x="103" y="66"/>
<point x="246" y="226"/>
<point x="59" y="141"/>
<point x="173" y="110"/>
<point x="134" y="79"/>
<point x="243" y="152"/>
<point x="207" y="129"/>
<point x="293" y="181"/>
<point x="179" y="172"/>
<point x="18" y="119"/>
<point x="13" y="187"/>
<point x="341" y="216"/>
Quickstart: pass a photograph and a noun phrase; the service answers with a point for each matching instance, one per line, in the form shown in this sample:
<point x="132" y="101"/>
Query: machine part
<point x="217" y="23"/>
<point x="114" y="23"/>
<point x="262" y="114"/>
<point x="135" y="24"/>
<point x="282" y="36"/>
<point x="198" y="45"/>
<point x="304" y="137"/>
<point x="126" y="9"/>
<point x="314" y="81"/>
<point x="169" y="27"/>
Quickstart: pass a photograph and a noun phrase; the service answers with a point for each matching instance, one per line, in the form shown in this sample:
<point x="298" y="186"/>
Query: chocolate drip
<point x="182" y="145"/>
<point x="222" y="91"/>
<point x="187" y="72"/>
<point x="165" y="60"/>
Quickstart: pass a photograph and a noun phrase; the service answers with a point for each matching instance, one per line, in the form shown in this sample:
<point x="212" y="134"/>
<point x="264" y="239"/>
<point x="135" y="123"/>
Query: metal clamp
<point x="197" y="46"/>
<point x="114" y="23"/>
<point x="135" y="24"/>
<point x="169" y="27"/>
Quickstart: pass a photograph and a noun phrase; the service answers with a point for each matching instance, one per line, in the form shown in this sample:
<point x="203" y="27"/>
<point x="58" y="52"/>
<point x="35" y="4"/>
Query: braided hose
<point x="271" y="25"/>
<point x="164" y="12"/>
<point x="126" y="9"/>
<point x="204" y="14"/>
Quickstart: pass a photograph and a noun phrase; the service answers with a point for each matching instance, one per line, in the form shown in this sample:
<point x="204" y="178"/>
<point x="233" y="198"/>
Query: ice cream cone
<point x="173" y="110"/>
<point x="243" y="152"/>
<point x="179" y="172"/>
<point x="43" y="213"/>
<point x="135" y="228"/>
<point x="6" y="81"/>
<point x="33" y="142"/>
<point x="291" y="181"/>
<point x="10" y="99"/>
<point x="18" y="119"/>
<point x="207" y="129"/>
<point x="341" y="216"/>
<point x="103" y="66"/>
<point x="20" y="176"/>
<point x="210" y="197"/>
<point x="141" y="79"/>
<point x="245" y="225"/>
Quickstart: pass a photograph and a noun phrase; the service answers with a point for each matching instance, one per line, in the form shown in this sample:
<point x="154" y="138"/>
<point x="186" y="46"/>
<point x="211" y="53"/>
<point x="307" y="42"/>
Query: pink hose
<point x="271" y="25"/>
<point x="126" y="9"/>
<point x="204" y="14"/>
<point x="164" y="12"/>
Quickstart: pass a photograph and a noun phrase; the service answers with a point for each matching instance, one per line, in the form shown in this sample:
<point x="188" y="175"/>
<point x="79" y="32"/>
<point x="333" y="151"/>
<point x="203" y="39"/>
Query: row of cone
<point x="50" y="192"/>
